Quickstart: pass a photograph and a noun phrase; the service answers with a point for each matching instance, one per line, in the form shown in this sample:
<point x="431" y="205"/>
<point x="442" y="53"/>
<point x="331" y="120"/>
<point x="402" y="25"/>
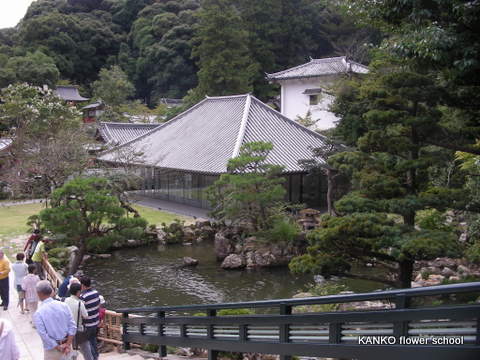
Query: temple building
<point x="70" y="94"/>
<point x="179" y="159"/>
<point x="306" y="90"/>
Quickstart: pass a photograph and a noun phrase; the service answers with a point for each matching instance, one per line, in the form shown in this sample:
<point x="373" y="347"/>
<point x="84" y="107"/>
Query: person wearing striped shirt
<point x="91" y="298"/>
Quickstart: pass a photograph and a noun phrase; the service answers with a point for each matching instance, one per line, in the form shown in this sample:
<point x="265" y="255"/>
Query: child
<point x="20" y="269"/>
<point x="29" y="284"/>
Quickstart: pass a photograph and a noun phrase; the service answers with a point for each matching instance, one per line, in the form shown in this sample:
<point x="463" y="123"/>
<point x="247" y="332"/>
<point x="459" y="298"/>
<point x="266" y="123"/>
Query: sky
<point x="11" y="11"/>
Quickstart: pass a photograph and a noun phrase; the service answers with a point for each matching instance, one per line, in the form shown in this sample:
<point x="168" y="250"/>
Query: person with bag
<point x="79" y="313"/>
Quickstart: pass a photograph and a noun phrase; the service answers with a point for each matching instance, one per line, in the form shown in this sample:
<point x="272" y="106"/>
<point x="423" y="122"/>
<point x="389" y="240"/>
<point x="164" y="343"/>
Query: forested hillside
<point x="162" y="44"/>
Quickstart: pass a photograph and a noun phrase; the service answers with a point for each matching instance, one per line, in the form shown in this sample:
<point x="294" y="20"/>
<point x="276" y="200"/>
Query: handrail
<point x="112" y="329"/>
<point x="329" y="299"/>
<point x="334" y="334"/>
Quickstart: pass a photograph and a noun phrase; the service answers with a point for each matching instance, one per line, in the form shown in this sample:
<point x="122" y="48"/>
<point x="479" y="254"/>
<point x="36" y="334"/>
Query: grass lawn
<point x="158" y="217"/>
<point x="13" y="218"/>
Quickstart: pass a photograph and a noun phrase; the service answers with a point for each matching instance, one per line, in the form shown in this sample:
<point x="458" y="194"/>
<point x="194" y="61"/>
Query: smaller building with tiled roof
<point x="306" y="88"/>
<point x="182" y="157"/>
<point x="69" y="93"/>
<point x="115" y="134"/>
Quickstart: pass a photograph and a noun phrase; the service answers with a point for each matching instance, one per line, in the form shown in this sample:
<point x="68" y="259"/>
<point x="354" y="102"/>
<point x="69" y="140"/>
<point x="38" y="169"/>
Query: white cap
<point x="102" y="300"/>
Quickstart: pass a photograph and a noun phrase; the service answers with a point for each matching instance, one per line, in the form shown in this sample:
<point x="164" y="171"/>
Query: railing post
<point x="126" y="344"/>
<point x="212" y="354"/>
<point x="335" y="333"/>
<point x="477" y="342"/>
<point x="162" y="349"/>
<point x="400" y="328"/>
<point x="285" y="329"/>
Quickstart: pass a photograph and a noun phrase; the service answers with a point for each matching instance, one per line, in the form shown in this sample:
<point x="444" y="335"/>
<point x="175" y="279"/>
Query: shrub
<point x="174" y="232"/>
<point x="473" y="253"/>
<point x="433" y="219"/>
<point x="284" y="229"/>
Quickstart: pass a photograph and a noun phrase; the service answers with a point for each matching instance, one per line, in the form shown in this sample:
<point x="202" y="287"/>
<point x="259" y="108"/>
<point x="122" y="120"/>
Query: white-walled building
<point x="307" y="88"/>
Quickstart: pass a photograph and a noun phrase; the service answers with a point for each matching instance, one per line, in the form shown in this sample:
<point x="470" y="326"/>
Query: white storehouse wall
<point x="295" y="103"/>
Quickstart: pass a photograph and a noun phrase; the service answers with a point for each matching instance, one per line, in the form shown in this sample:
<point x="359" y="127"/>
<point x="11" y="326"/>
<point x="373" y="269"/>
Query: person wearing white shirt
<point x="8" y="347"/>
<point x="20" y="270"/>
<point x="79" y="312"/>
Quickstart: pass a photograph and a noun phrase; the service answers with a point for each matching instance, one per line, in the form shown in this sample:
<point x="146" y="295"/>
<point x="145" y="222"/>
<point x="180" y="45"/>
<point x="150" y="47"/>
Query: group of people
<point x="66" y="321"/>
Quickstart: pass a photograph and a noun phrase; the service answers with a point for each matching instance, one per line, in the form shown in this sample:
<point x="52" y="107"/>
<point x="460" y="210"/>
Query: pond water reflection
<point x="154" y="277"/>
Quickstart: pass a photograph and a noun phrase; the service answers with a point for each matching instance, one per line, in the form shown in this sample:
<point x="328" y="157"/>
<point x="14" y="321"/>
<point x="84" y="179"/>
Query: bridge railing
<point x="449" y="331"/>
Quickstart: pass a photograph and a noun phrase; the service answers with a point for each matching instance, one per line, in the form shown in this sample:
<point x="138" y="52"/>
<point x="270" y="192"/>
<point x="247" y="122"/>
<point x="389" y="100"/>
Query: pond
<point x="153" y="276"/>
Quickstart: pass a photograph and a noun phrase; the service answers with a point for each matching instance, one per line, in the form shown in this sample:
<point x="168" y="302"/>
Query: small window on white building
<point x="314" y="99"/>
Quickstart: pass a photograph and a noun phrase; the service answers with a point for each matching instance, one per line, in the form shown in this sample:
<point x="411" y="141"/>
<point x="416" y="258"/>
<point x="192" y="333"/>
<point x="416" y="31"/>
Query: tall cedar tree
<point x="390" y="183"/>
<point x="224" y="59"/>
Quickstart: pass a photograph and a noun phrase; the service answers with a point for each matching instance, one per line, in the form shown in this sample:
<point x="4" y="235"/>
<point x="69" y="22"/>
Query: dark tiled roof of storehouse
<point x="121" y="133"/>
<point x="69" y="93"/>
<point x="320" y="67"/>
<point x="206" y="136"/>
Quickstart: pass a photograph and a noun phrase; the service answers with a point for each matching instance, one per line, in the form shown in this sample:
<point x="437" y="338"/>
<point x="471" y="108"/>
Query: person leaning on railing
<point x="38" y="256"/>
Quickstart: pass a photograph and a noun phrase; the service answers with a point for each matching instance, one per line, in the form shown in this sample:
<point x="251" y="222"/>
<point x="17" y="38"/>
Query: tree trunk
<point x="77" y="260"/>
<point x="405" y="273"/>
<point x="331" y="175"/>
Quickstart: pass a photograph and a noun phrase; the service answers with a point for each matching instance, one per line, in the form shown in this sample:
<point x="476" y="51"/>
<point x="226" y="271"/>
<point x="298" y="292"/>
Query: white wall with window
<point x="299" y="96"/>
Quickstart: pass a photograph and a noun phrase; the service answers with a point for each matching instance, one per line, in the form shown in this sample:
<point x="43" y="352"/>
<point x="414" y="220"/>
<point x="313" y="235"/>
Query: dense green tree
<point x="49" y="143"/>
<point x="251" y="191"/>
<point x="87" y="213"/>
<point x="113" y="87"/>
<point x="35" y="68"/>
<point x="161" y="39"/>
<point x="390" y="180"/>
<point x="442" y="38"/>
<point x="224" y="59"/>
<point x="81" y="43"/>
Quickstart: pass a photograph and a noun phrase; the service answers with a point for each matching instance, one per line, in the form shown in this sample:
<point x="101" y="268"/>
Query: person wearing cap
<point x="39" y="254"/>
<point x="64" y="288"/>
<point x="4" y="281"/>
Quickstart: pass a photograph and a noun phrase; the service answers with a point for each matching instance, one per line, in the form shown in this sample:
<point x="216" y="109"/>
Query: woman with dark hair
<point x="79" y="313"/>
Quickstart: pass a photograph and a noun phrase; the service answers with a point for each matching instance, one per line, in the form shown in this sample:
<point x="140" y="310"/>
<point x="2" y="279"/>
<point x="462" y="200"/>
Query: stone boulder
<point x="233" y="261"/>
<point x="222" y="246"/>
<point x="189" y="261"/>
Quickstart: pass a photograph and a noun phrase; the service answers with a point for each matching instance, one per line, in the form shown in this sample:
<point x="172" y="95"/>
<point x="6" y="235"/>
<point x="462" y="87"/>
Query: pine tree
<point x="222" y="51"/>
<point x="389" y="174"/>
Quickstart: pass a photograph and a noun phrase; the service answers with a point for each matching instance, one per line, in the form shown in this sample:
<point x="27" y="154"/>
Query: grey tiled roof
<point x="69" y="93"/>
<point x="320" y="67"/>
<point x="5" y="143"/>
<point x="121" y="133"/>
<point x="206" y="136"/>
<point x="92" y="106"/>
